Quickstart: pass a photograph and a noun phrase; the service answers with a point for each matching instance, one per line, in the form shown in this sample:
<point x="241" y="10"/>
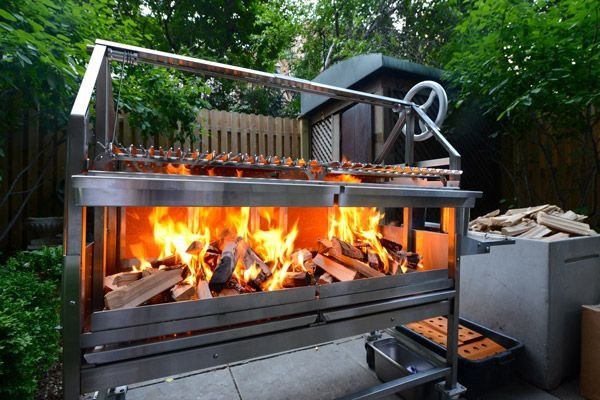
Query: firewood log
<point x="304" y="253"/>
<point x="113" y="282"/>
<point x="336" y="270"/>
<point x="195" y="247"/>
<point x="182" y="292"/>
<point x="325" y="279"/>
<point x="390" y="245"/>
<point x="295" y="279"/>
<point x="374" y="260"/>
<point x="168" y="261"/>
<point x="142" y="290"/>
<point x="359" y="266"/>
<point x="226" y="265"/>
<point x="249" y="260"/>
<point x="324" y="245"/>
<point x="203" y="291"/>
<point x="340" y="247"/>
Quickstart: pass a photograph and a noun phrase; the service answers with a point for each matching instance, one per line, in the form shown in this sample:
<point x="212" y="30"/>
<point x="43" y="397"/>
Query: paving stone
<point x="326" y="372"/>
<point x="518" y="390"/>
<point x="213" y="385"/>
<point x="568" y="391"/>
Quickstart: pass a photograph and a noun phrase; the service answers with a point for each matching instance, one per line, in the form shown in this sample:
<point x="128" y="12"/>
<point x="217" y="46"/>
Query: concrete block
<point x="533" y="290"/>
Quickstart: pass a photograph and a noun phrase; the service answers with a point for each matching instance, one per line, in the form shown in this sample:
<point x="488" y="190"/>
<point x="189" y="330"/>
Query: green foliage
<point x="535" y="67"/>
<point x="409" y="29"/>
<point x="43" y="52"/>
<point x="163" y="101"/>
<point x="29" y="316"/>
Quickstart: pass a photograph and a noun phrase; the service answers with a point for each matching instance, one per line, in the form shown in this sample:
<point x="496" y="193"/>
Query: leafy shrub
<point x="29" y="315"/>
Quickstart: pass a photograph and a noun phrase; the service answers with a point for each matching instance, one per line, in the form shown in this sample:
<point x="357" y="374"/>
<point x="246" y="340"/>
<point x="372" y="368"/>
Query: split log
<point x="195" y="247"/>
<point x="390" y="245"/>
<point x="149" y="271"/>
<point x="518" y="229"/>
<point x="325" y="279"/>
<point x="142" y="290"/>
<point x="167" y="261"/>
<point x="359" y="266"/>
<point x="494" y="213"/>
<point x="183" y="291"/>
<point x="528" y="210"/>
<point x="324" y="245"/>
<point x="536" y="232"/>
<point x="564" y="225"/>
<point x="557" y="236"/>
<point x="249" y="260"/>
<point x="226" y="265"/>
<point x="203" y="291"/>
<point x="304" y="253"/>
<point x="336" y="270"/>
<point x="113" y="282"/>
<point x="373" y="259"/>
<point x="393" y="266"/>
<point x="340" y="247"/>
<point x="295" y="279"/>
<point x="310" y="266"/>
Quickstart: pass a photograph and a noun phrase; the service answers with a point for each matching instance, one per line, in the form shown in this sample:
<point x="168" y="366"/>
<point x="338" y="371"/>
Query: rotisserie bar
<point x="178" y="260"/>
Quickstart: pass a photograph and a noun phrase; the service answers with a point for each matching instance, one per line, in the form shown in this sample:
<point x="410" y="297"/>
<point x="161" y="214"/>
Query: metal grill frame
<point x="340" y="310"/>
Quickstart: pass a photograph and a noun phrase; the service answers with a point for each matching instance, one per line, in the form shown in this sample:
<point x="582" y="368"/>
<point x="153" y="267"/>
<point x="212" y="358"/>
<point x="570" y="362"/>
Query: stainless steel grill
<point x="107" y="348"/>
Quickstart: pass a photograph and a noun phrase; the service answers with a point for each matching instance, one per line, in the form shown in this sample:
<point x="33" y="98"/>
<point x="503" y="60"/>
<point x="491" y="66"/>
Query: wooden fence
<point x="222" y="131"/>
<point x="34" y="165"/>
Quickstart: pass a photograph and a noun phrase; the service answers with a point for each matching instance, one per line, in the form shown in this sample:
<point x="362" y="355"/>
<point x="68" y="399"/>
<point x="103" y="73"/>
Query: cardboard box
<point x="590" y="352"/>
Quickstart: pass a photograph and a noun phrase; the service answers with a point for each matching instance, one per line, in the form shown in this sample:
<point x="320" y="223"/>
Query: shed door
<point x="356" y="133"/>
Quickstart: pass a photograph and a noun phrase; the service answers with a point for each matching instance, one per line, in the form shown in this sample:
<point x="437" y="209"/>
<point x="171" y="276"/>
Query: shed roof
<point x="348" y="72"/>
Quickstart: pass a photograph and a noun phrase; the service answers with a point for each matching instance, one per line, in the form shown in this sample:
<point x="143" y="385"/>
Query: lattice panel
<point x="321" y="140"/>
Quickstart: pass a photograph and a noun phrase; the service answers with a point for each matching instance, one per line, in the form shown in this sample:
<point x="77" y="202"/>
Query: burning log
<point x="249" y="260"/>
<point x="203" y="291"/>
<point x="142" y="290"/>
<point x="300" y="257"/>
<point x="226" y="265"/>
<point x="113" y="282"/>
<point x="149" y="271"/>
<point x="336" y="270"/>
<point x="325" y="279"/>
<point x="374" y="260"/>
<point x="390" y="245"/>
<point x="195" y="247"/>
<point x="359" y="266"/>
<point x="340" y="247"/>
<point x="324" y="245"/>
<point x="183" y="291"/>
<point x="295" y="279"/>
<point x="168" y="261"/>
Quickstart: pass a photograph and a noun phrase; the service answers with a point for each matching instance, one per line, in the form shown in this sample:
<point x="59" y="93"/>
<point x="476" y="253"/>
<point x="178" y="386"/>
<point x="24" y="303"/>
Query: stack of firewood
<point x="168" y="279"/>
<point x="546" y="222"/>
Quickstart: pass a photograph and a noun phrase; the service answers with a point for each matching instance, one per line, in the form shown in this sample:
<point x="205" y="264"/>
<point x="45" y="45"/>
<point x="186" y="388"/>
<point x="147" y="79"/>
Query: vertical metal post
<point x="74" y="234"/>
<point x="453" y="223"/>
<point x="409" y="141"/>
<point x="99" y="265"/>
<point x="105" y="113"/>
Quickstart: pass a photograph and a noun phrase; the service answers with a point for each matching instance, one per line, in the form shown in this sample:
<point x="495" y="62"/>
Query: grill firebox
<point x="111" y="347"/>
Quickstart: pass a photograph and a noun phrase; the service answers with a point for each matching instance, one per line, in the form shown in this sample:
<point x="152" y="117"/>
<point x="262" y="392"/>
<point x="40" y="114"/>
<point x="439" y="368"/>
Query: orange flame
<point x="263" y="231"/>
<point x="180" y="169"/>
<point x="357" y="224"/>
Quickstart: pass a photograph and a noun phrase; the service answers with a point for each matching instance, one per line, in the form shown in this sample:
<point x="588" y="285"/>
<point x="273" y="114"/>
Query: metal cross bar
<point x="118" y="51"/>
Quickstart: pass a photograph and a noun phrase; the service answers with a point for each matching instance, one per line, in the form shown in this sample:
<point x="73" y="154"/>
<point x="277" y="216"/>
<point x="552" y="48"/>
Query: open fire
<point x="204" y="252"/>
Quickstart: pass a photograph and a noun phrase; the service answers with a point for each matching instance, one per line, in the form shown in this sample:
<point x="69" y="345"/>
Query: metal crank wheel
<point x="436" y="90"/>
